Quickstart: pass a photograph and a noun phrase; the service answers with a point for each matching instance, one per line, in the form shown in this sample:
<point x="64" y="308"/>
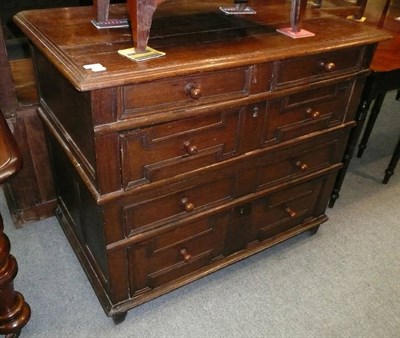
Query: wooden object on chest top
<point x="140" y="16"/>
<point x="169" y="169"/>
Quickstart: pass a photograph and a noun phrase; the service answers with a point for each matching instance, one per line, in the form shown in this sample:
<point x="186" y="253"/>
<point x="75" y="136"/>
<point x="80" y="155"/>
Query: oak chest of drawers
<point x="173" y="168"/>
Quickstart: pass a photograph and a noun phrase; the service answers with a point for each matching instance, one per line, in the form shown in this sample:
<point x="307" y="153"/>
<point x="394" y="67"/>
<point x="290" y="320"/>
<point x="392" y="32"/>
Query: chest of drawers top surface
<point x="195" y="38"/>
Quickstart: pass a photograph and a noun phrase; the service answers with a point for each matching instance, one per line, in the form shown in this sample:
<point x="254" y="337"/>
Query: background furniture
<point x="171" y="169"/>
<point x="342" y="8"/>
<point x="385" y="76"/>
<point x="14" y="311"/>
<point x="30" y="193"/>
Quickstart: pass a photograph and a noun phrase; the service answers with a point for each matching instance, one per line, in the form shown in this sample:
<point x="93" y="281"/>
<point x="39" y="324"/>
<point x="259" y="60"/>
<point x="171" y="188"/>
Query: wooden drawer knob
<point x="290" y="212"/>
<point x="302" y="166"/>
<point x="185" y="255"/>
<point x="313" y="114"/>
<point x="188" y="206"/>
<point x="327" y="66"/>
<point x="190" y="148"/>
<point x="193" y="90"/>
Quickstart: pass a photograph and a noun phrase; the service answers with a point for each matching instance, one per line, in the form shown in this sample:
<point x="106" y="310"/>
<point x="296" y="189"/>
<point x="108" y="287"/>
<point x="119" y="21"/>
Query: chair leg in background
<point x="361" y="116"/>
<point x="376" y="108"/>
<point x="392" y="165"/>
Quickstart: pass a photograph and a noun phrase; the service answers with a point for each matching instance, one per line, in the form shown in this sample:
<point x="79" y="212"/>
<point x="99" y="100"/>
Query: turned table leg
<point x="14" y="311"/>
<point x="393" y="163"/>
<point x="376" y="108"/>
<point x="361" y="115"/>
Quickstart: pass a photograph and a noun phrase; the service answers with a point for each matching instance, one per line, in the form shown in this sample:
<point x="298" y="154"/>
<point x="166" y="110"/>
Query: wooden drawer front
<point x="315" y="67"/>
<point x="306" y="112"/>
<point x="177" y="205"/>
<point x="176" y="253"/>
<point x="155" y="153"/>
<point x="184" y="91"/>
<point x="283" y="210"/>
<point x="305" y="158"/>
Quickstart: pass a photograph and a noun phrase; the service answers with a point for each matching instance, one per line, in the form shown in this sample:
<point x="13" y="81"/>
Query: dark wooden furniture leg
<point x="392" y="165"/>
<point x="101" y="7"/>
<point x="14" y="311"/>
<point x="351" y="145"/>
<point x="362" y="4"/>
<point x="141" y="16"/>
<point x="376" y="108"/>
<point x="297" y="14"/>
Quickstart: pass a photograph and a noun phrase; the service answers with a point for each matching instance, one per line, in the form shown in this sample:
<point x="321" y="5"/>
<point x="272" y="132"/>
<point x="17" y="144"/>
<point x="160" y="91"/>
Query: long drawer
<point x="193" y="246"/>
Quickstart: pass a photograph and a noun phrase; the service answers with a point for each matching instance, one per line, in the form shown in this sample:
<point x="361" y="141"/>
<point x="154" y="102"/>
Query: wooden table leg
<point x="376" y="108"/>
<point x="102" y="8"/>
<point x="361" y="116"/>
<point x="296" y="15"/>
<point x="393" y="163"/>
<point x="14" y="311"/>
<point x="141" y="16"/>
<point x="295" y="30"/>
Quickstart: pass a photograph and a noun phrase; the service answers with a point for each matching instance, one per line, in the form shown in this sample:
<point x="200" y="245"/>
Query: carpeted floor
<point x="342" y="282"/>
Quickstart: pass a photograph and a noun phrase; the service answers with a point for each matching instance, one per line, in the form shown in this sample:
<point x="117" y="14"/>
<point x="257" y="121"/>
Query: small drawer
<point x="178" y="252"/>
<point x="284" y="210"/>
<point x="184" y="91"/>
<point x="177" y="205"/>
<point x="311" y="68"/>
<point x="305" y="158"/>
<point x="173" y="148"/>
<point x="306" y="112"/>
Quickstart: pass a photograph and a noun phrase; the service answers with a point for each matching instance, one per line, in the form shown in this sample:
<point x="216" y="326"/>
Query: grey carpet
<point x="342" y="282"/>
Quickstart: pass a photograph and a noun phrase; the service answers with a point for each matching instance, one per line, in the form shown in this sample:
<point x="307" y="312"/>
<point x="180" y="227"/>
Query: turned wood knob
<point x="313" y="114"/>
<point x="188" y="206"/>
<point x="290" y="212"/>
<point x="193" y="90"/>
<point x="185" y="255"/>
<point x="302" y="166"/>
<point x="191" y="149"/>
<point x="328" y="66"/>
